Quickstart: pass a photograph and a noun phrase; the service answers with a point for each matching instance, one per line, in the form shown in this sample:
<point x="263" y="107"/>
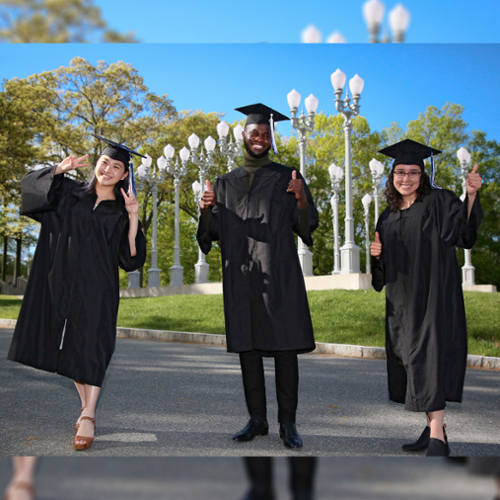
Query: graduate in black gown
<point x="253" y="212"/>
<point x="414" y="257"/>
<point x="67" y="322"/>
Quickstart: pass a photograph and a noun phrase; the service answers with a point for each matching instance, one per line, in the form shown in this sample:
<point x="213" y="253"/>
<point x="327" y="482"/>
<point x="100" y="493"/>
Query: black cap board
<point x="409" y="152"/>
<point x="260" y="113"/>
<point x="117" y="151"/>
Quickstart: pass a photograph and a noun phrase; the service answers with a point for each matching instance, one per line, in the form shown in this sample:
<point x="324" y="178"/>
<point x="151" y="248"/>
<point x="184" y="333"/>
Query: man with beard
<point x="253" y="213"/>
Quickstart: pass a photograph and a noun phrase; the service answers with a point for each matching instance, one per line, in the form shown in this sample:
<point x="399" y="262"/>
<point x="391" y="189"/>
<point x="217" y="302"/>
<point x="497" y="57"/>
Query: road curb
<point x="344" y="350"/>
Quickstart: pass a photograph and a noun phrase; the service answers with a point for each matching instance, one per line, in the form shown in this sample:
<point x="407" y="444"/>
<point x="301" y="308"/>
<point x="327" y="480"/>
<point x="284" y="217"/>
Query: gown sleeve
<point x="208" y="226"/>
<point x="378" y="266"/>
<point x="40" y="192"/>
<point x="306" y="219"/>
<point x="455" y="227"/>
<point x="125" y="259"/>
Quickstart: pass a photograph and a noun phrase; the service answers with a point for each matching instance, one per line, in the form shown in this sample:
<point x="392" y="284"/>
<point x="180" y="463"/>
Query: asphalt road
<point x="224" y="478"/>
<point x="168" y="399"/>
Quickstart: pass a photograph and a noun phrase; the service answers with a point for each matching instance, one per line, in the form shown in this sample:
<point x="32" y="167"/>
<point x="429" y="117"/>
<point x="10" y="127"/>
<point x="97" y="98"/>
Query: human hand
<point x="71" y="163"/>
<point x="208" y="198"/>
<point x="296" y="186"/>
<point x="474" y="182"/>
<point x="376" y="246"/>
<point x="131" y="203"/>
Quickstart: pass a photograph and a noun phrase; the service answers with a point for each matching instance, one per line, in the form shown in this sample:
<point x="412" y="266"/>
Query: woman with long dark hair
<point x="414" y="257"/>
<point x="67" y="322"/>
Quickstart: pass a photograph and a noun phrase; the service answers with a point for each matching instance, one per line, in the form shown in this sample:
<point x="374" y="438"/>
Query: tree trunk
<point x="4" y="263"/>
<point x="19" y="248"/>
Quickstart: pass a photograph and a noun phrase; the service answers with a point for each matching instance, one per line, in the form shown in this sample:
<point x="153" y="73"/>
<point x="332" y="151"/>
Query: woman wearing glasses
<point x="414" y="257"/>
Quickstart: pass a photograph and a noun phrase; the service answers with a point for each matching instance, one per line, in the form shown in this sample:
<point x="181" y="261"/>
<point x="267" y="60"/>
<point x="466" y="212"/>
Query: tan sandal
<point x="19" y="485"/>
<point x="77" y="425"/>
<point x="88" y="440"/>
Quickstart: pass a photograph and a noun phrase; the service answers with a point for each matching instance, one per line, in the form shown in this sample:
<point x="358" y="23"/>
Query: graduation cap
<point x="121" y="153"/>
<point x="409" y="152"/>
<point x="262" y="114"/>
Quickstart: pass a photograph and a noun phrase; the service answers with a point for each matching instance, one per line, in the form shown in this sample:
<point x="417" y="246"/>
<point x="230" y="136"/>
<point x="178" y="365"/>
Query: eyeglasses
<point x="401" y="174"/>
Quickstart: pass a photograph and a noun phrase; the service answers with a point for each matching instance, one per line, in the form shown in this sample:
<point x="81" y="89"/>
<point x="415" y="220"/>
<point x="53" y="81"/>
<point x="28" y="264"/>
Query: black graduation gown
<point x="73" y="285"/>
<point x="426" y="333"/>
<point x="265" y="301"/>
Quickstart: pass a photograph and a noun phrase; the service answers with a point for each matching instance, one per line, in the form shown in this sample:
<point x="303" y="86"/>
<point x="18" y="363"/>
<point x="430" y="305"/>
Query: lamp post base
<point x="306" y="261"/>
<point x="176" y="275"/>
<point x="154" y="277"/>
<point x="134" y="279"/>
<point x="201" y="272"/>
<point x="349" y="259"/>
<point x="468" y="275"/>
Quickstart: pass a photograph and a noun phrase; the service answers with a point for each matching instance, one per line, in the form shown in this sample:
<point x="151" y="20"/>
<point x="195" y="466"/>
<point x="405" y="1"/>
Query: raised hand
<point x="131" y="203"/>
<point x="296" y="186"/>
<point x="208" y="198"/>
<point x="71" y="163"/>
<point x="473" y="182"/>
<point x="376" y="246"/>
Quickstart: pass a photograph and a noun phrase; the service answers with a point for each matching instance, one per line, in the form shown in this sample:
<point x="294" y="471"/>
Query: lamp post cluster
<point x="468" y="270"/>
<point x="232" y="149"/>
<point x="366" y="200"/>
<point x="336" y="175"/>
<point x="349" y="252"/>
<point x="303" y="124"/>
<point x="377" y="169"/>
<point x="373" y="12"/>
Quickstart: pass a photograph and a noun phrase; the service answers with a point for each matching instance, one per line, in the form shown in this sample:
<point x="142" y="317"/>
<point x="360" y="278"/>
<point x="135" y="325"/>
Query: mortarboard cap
<point x="121" y="153"/>
<point x="260" y="113"/>
<point x="409" y="152"/>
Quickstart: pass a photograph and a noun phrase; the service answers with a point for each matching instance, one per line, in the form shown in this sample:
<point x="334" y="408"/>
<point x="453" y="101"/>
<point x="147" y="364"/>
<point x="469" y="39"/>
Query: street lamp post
<point x="153" y="177"/>
<point x="176" y="270"/>
<point x="349" y="252"/>
<point x="377" y="169"/>
<point x="231" y="150"/>
<point x="366" y="200"/>
<point x="303" y="124"/>
<point x="336" y="175"/>
<point x="468" y="270"/>
<point x="204" y="162"/>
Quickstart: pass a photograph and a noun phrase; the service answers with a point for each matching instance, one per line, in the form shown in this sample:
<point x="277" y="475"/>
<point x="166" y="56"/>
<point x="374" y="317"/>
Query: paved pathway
<point x="169" y="399"/>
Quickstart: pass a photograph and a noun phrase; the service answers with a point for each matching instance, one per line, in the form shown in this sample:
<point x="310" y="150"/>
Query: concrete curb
<point x="344" y="350"/>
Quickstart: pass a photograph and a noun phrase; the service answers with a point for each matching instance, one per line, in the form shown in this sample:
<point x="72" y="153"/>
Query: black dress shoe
<point x="290" y="436"/>
<point x="253" y="428"/>
<point x="437" y="448"/>
<point x="303" y="495"/>
<point x="423" y="441"/>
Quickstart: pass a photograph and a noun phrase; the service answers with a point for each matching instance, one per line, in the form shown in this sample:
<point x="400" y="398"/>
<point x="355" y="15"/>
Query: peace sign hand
<point x="71" y="163"/>
<point x="131" y="203"/>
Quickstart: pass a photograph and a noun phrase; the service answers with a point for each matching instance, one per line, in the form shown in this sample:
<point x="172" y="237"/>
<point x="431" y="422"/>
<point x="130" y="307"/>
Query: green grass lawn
<point x="339" y="316"/>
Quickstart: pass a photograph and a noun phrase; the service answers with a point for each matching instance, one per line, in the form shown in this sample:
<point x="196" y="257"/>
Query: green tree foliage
<point x="55" y="21"/>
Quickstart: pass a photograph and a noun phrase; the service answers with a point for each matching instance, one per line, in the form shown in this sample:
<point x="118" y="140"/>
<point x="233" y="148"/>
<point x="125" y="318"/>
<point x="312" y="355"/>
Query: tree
<point x="55" y="21"/>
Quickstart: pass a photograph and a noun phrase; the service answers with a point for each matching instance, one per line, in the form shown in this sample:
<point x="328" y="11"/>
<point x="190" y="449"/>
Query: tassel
<point x="273" y="141"/>
<point x="433" y="172"/>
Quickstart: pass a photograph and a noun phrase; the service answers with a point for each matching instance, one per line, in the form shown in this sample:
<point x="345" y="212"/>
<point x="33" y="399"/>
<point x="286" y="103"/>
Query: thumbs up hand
<point x="208" y="198"/>
<point x="473" y="182"/>
<point x="296" y="186"/>
<point x="376" y="246"/>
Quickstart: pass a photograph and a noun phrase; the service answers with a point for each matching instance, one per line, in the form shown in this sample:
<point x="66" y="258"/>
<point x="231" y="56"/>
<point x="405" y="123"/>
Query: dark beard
<point x="252" y="154"/>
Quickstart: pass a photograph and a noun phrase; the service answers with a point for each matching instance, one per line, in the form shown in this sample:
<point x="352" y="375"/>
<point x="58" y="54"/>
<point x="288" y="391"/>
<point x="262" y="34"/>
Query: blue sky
<point x="281" y="21"/>
<point x="400" y="80"/>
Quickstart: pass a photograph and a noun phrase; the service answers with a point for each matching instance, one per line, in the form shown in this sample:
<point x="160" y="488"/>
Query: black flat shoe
<point x="253" y="428"/>
<point x="290" y="436"/>
<point x="253" y="494"/>
<point x="421" y="443"/>
<point x="303" y="495"/>
<point x="438" y="448"/>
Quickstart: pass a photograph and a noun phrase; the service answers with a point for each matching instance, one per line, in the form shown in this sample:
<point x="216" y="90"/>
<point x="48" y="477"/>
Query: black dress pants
<point x="286" y="369"/>
<point x="259" y="470"/>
